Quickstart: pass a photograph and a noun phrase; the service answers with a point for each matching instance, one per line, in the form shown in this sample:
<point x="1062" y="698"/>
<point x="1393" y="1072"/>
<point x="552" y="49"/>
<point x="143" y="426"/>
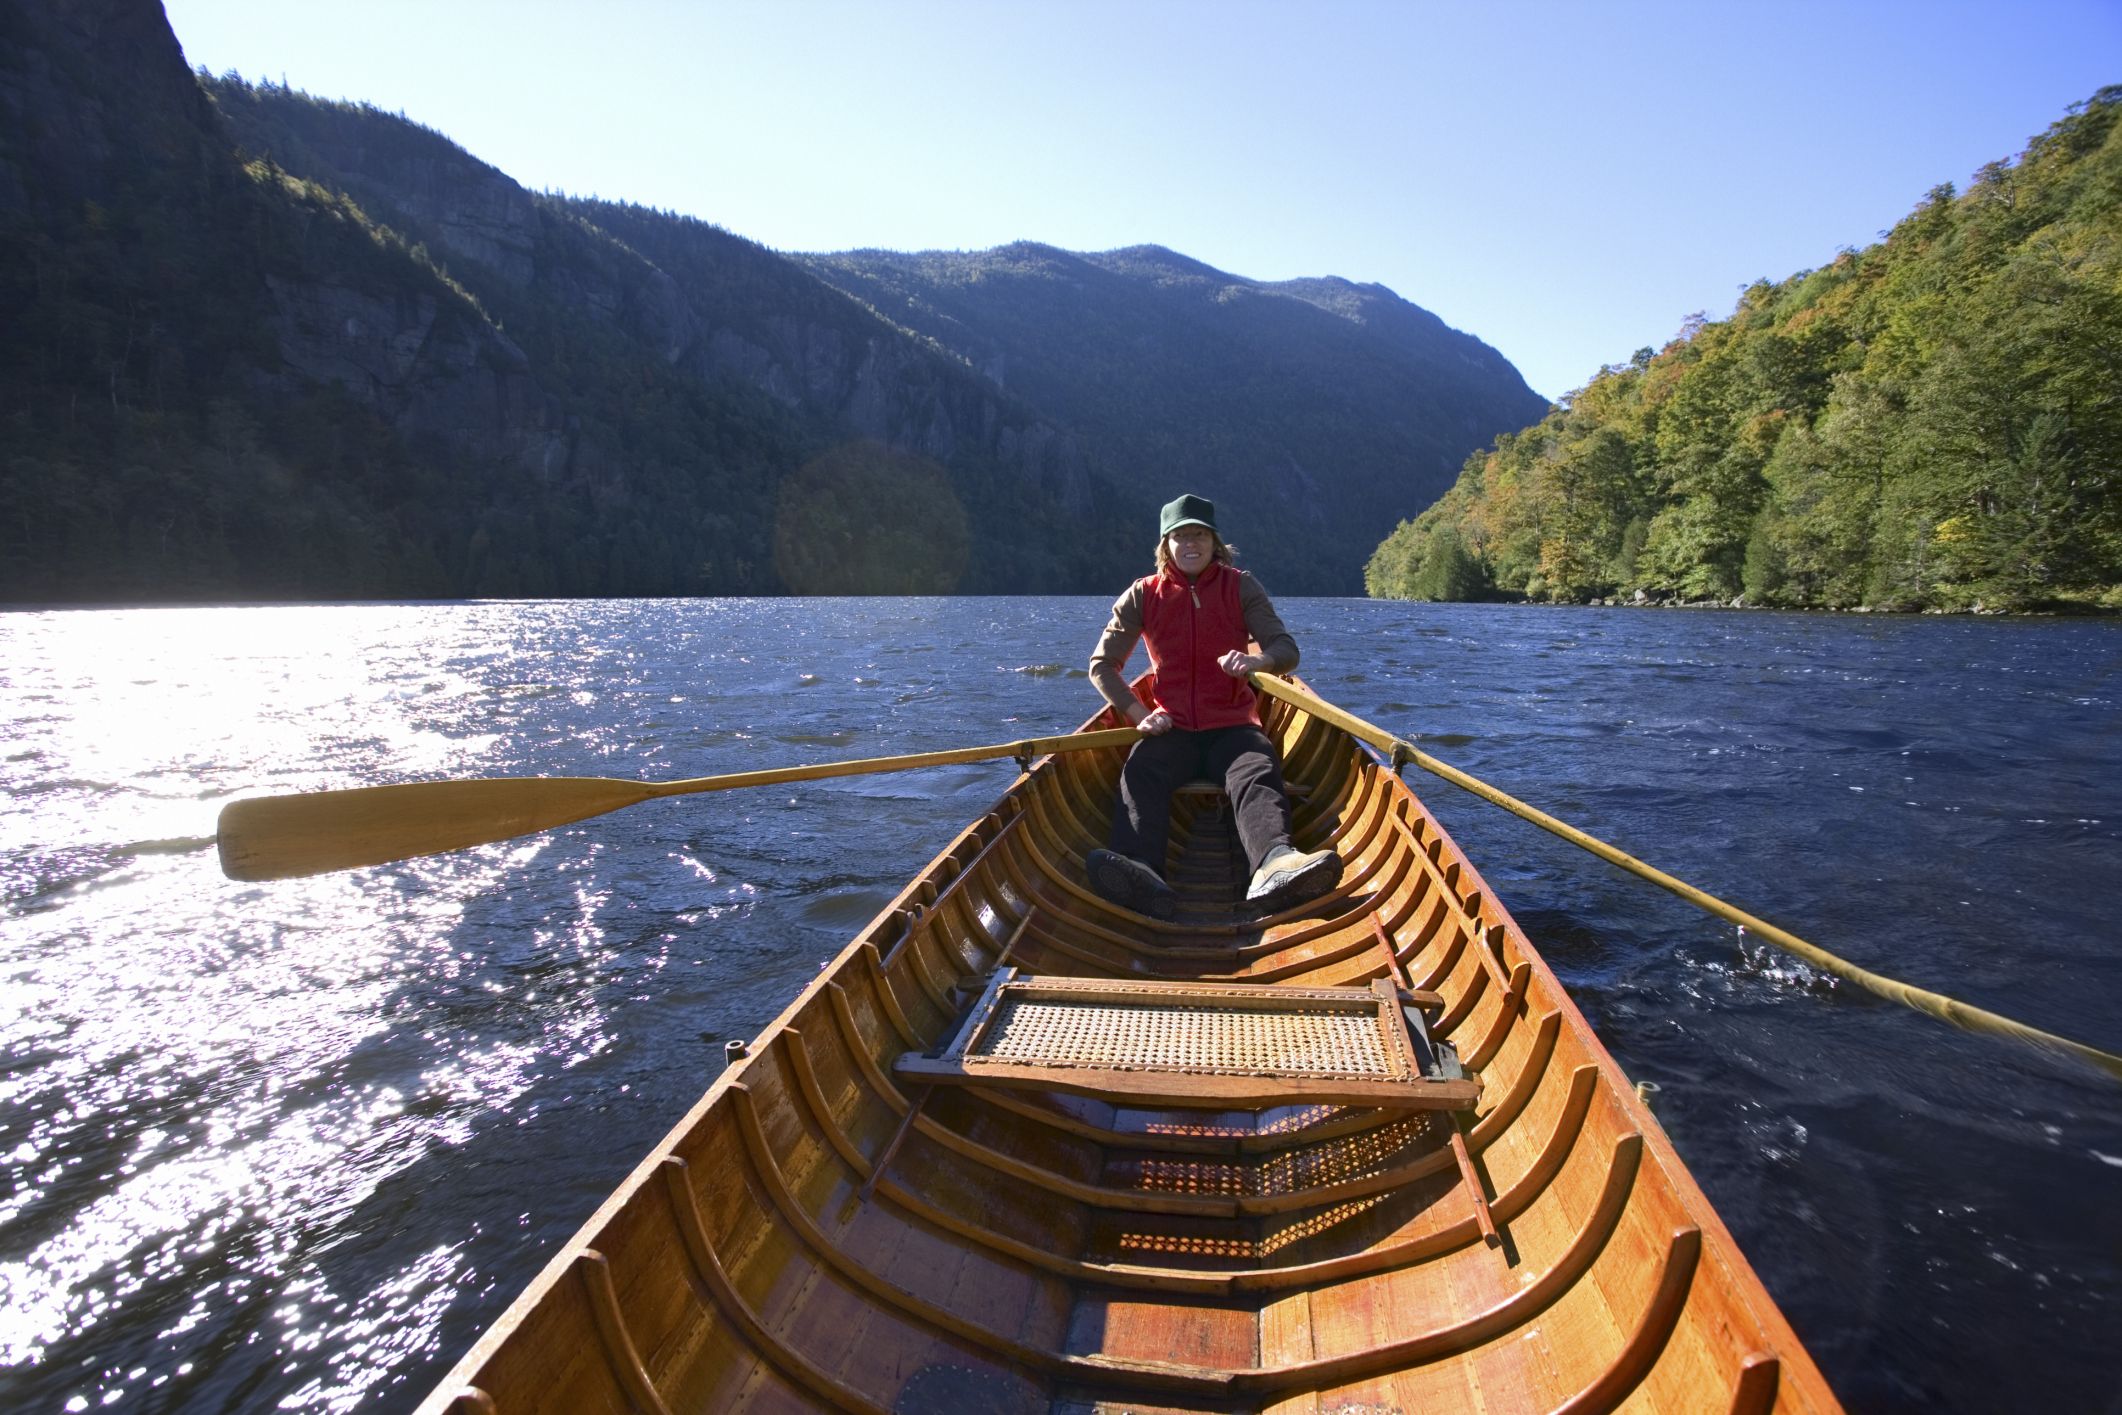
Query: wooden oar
<point x="1964" y="1015"/>
<point x="315" y="832"/>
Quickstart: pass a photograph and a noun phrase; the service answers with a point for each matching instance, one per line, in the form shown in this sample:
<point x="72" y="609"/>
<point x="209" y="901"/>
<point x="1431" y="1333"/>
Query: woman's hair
<point x="1224" y="554"/>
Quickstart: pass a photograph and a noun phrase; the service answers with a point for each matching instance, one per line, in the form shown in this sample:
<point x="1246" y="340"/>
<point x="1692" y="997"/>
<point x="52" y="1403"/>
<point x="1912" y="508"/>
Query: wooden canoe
<point x="857" y="1217"/>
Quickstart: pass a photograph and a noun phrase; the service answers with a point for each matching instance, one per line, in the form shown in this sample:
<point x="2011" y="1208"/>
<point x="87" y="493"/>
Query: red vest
<point x="1187" y="628"/>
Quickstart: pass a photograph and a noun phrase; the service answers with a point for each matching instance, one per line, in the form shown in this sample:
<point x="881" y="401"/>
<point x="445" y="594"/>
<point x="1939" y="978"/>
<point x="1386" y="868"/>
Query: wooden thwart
<point x="1197" y="1044"/>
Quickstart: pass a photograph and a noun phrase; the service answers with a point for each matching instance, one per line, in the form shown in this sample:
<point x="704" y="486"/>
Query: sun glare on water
<point x="209" y="1068"/>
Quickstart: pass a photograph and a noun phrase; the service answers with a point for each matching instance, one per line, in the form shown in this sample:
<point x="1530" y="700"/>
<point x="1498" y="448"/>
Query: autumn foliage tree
<point x="1932" y="422"/>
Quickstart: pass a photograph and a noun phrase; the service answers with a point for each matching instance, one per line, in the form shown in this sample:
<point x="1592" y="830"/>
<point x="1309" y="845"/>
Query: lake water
<point x="296" y="1144"/>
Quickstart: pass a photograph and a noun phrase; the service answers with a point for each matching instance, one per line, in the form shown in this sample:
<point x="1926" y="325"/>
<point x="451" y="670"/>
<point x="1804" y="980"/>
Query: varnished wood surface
<point x="823" y="1231"/>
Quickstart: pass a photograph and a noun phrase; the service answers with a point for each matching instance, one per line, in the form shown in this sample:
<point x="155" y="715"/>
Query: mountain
<point x="888" y="451"/>
<point x="263" y="346"/>
<point x="1932" y="422"/>
<point x="1315" y="410"/>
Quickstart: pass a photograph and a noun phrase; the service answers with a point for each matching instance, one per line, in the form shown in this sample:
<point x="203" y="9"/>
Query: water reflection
<point x="204" y="1078"/>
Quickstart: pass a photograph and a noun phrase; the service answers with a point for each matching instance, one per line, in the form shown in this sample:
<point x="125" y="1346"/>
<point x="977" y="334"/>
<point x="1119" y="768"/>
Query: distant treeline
<point x="1932" y="422"/>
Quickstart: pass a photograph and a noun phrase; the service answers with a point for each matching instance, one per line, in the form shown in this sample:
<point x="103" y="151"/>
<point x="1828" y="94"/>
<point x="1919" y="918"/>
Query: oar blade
<point x="283" y="837"/>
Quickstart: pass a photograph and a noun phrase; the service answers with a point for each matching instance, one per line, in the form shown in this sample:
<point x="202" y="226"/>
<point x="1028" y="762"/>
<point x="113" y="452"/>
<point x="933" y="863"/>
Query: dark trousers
<point x="1239" y="757"/>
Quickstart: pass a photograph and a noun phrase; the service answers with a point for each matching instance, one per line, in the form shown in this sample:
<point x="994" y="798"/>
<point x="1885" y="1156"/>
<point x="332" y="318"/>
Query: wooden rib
<point x="1347" y="795"/>
<point x="1090" y="1196"/>
<point x="1576" y="1105"/>
<point x="473" y="1401"/>
<point x="1463" y="1007"/>
<point x="912" y="958"/>
<point x="1505" y="1112"/>
<point x="1511" y="1311"/>
<point x="918" y="1309"/>
<point x="700" y="1247"/>
<point x="941" y="968"/>
<point x="1468" y="1175"/>
<point x="906" y="1123"/>
<point x="966" y="872"/>
<point x="1296" y="955"/>
<point x="1446" y="874"/>
<point x="814" y="1097"/>
<point x="1569" y="1126"/>
<point x="1554" y="1154"/>
<point x="963" y="941"/>
<point x="1422" y="920"/>
<point x="1520" y="1305"/>
<point x="1098" y="906"/>
<point x="1444" y="966"/>
<point x="1394" y="968"/>
<point x="1652" y="1332"/>
<point x="1467" y="912"/>
<point x="1025" y="848"/>
<point x="1485" y="1050"/>
<point x="1006" y="1164"/>
<point x="865" y="1063"/>
<point x="1329" y="758"/>
<point x="1760" y="1375"/>
<point x="1149" y="1201"/>
<point x="887" y="997"/>
<point x="1583" y="1086"/>
<point x="1092" y="962"/>
<point x="1561" y="1142"/>
<point x="1141" y="958"/>
<point x="619" y="1350"/>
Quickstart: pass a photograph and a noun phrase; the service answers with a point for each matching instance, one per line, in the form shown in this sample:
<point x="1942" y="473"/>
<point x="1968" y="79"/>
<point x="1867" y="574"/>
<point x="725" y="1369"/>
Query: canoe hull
<point x="821" y="1232"/>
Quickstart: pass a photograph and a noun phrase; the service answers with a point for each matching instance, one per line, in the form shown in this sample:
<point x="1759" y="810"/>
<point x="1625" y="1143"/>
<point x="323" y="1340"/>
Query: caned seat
<point x="1200" y="1044"/>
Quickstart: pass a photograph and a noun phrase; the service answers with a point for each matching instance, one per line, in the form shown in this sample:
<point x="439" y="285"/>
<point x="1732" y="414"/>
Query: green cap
<point x="1186" y="511"/>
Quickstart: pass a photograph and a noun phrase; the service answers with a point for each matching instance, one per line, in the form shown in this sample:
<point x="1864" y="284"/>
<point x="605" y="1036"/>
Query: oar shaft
<point x="1933" y="1004"/>
<point x="315" y="832"/>
<point x="818" y="771"/>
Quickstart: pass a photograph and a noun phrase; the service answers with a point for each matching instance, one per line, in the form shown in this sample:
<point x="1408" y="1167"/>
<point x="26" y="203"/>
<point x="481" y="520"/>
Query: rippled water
<point x="295" y="1144"/>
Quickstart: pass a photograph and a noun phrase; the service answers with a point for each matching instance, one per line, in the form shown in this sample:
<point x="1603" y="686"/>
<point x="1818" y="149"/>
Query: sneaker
<point x="1131" y="884"/>
<point x="1289" y="877"/>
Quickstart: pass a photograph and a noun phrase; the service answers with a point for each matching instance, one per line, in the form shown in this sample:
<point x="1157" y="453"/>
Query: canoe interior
<point x="816" y="1234"/>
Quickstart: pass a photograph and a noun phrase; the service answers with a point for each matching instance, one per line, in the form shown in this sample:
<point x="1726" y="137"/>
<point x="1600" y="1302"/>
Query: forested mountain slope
<point x="1932" y="422"/>
<point x="263" y="346"/>
<point x="672" y="344"/>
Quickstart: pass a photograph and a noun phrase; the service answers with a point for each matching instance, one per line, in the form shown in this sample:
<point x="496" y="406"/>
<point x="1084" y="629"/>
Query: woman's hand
<point x="1155" y="724"/>
<point x="1237" y="664"/>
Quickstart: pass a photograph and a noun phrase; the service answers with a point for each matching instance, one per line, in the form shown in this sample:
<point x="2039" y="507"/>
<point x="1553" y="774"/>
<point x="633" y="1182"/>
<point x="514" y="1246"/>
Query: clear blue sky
<point x="1567" y="181"/>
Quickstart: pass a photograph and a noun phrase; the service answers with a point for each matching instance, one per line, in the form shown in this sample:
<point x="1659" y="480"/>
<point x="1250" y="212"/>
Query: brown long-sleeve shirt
<point x="1124" y="630"/>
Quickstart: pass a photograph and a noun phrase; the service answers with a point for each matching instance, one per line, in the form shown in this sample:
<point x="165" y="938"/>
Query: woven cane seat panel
<point x="1184" y="1040"/>
<point x="1193" y="1045"/>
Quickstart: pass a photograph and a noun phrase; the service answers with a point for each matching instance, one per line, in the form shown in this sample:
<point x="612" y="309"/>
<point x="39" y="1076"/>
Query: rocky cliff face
<point x="116" y="136"/>
<point x="99" y="107"/>
<point x="702" y="302"/>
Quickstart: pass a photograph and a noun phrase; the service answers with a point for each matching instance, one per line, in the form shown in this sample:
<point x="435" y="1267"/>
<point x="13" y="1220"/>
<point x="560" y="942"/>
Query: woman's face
<point x="1191" y="549"/>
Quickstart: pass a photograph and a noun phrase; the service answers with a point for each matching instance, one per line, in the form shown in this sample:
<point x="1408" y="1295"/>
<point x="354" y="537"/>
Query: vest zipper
<point x="1193" y="645"/>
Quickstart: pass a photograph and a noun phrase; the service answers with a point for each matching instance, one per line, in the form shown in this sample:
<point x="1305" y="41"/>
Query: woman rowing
<point x="1198" y="612"/>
